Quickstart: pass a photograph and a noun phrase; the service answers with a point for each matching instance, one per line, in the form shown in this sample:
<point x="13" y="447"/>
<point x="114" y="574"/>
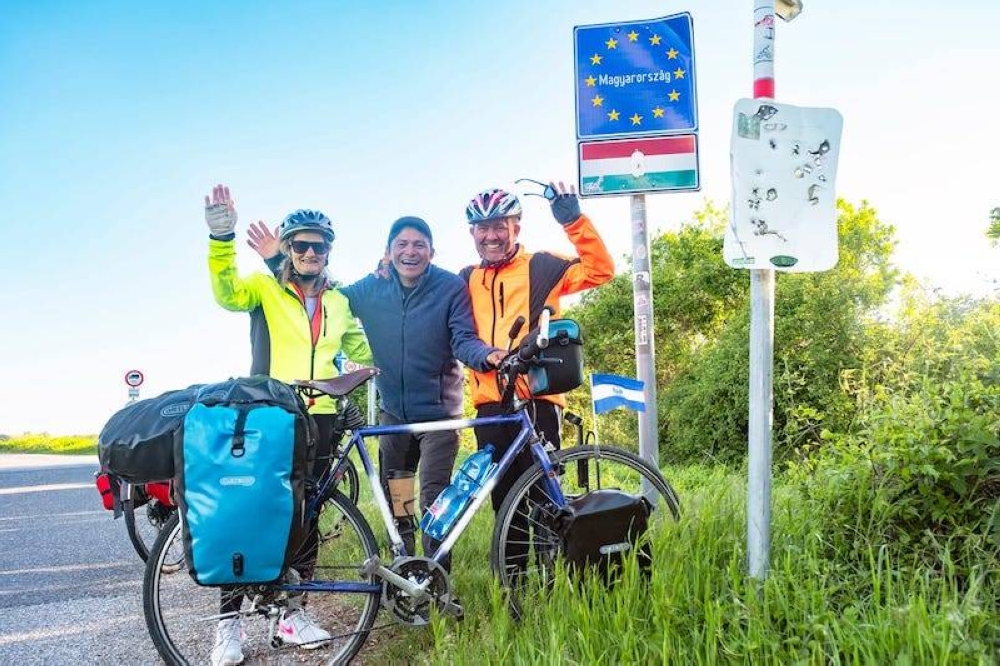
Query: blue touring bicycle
<point x="354" y="577"/>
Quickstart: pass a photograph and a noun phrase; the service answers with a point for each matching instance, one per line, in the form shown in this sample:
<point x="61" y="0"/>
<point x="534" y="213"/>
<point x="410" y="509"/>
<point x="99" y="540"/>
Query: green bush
<point x="701" y="331"/>
<point x="700" y="607"/>
<point x="922" y="464"/>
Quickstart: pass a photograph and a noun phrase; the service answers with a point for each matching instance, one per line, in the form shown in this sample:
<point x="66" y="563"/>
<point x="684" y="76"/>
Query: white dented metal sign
<point x="784" y="204"/>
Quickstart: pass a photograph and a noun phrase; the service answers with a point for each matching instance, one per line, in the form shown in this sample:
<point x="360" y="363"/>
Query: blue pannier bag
<point x="241" y="461"/>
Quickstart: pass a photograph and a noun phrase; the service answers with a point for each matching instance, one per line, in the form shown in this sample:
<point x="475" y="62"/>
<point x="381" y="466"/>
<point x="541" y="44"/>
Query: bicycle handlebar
<point x="517" y="362"/>
<point x="530" y="349"/>
<point x="543" y="328"/>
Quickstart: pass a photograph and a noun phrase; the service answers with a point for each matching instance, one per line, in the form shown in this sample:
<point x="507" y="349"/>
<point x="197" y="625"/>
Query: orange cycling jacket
<point x="526" y="284"/>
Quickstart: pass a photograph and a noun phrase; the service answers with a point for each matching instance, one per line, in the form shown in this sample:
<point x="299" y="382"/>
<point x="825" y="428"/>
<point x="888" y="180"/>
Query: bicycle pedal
<point x="454" y="609"/>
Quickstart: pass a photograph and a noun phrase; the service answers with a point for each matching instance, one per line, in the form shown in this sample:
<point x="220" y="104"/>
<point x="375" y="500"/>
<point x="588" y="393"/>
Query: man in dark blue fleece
<point x="419" y="326"/>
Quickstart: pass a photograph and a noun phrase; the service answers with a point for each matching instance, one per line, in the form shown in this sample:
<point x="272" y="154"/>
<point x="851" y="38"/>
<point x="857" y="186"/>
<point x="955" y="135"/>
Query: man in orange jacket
<point x="510" y="282"/>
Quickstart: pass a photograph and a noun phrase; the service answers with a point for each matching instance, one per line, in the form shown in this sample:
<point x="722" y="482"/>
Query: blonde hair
<point x="286" y="272"/>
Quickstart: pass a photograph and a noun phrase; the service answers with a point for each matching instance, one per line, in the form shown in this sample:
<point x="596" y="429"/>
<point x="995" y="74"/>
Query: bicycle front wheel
<point x="182" y="616"/>
<point x="525" y="546"/>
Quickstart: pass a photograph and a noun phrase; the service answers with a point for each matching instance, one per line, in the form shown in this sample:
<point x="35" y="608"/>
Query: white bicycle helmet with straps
<point x="492" y="204"/>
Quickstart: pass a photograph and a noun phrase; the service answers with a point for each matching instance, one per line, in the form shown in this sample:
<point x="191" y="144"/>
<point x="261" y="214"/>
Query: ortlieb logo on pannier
<point x="241" y="460"/>
<point x="600" y="528"/>
<point x="137" y="442"/>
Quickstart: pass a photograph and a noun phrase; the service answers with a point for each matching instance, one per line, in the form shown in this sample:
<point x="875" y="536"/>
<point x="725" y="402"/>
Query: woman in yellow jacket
<point x="299" y="324"/>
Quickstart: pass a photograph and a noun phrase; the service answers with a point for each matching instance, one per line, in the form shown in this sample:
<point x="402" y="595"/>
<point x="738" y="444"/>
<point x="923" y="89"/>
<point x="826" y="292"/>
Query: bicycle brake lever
<point x="514" y="330"/>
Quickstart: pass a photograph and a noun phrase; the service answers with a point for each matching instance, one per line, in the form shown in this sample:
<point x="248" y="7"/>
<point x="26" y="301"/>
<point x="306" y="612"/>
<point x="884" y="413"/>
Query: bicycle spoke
<point x="182" y="616"/>
<point x="526" y="544"/>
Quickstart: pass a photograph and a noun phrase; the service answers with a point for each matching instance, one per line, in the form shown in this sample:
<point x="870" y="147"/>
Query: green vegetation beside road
<point x="43" y="443"/>
<point x="823" y="602"/>
<point x="886" y="494"/>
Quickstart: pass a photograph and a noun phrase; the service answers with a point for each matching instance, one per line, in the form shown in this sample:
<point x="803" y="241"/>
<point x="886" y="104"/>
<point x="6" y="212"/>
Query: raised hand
<point x="220" y="211"/>
<point x="565" y="204"/>
<point x="381" y="271"/>
<point x="263" y="241"/>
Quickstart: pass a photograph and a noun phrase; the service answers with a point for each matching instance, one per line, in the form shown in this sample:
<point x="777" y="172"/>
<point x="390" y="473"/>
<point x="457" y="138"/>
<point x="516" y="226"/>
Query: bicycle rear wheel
<point x="182" y="616"/>
<point x="347" y="480"/>
<point x="525" y="546"/>
<point x="144" y="522"/>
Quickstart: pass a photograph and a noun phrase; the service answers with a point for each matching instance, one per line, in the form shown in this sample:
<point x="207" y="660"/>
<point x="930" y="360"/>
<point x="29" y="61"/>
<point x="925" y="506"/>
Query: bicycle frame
<point x="525" y="437"/>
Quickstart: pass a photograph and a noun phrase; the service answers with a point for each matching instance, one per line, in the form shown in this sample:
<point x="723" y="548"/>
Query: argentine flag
<point x="612" y="391"/>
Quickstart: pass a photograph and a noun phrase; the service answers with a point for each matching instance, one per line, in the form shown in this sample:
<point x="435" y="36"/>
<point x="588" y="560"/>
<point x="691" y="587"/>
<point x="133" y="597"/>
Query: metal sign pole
<point x="645" y="355"/>
<point x="761" y="379"/>
<point x="761" y="340"/>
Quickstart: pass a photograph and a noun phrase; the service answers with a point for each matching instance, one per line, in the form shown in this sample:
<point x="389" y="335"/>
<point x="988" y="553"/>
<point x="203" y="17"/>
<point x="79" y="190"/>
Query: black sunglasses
<point x="301" y="247"/>
<point x="549" y="192"/>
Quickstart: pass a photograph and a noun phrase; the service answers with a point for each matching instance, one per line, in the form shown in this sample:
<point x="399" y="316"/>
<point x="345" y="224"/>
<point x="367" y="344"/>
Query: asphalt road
<point x="70" y="583"/>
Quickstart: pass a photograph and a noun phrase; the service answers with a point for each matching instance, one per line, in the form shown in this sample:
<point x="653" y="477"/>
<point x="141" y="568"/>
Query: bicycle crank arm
<point x="418" y="591"/>
<point x="453" y="609"/>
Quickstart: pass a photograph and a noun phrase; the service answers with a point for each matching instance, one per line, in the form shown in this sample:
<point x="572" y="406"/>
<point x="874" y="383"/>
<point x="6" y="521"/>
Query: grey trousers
<point x="432" y="454"/>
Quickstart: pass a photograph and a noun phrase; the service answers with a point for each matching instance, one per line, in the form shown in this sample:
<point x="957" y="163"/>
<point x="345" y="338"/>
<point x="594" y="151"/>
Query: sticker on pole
<point x="784" y="204"/>
<point x="133" y="378"/>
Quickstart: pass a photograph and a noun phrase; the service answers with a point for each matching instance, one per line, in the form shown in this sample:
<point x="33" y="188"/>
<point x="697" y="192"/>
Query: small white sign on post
<point x="133" y="379"/>
<point x="784" y="205"/>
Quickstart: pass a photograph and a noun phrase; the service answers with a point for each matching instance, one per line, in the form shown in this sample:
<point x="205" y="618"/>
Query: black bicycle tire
<point x="533" y="474"/>
<point x="157" y="632"/>
<point x="132" y="528"/>
<point x="128" y="510"/>
<point x="351" y="481"/>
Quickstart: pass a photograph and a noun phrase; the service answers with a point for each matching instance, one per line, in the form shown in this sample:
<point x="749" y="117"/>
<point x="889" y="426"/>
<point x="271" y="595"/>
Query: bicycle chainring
<point x="405" y="608"/>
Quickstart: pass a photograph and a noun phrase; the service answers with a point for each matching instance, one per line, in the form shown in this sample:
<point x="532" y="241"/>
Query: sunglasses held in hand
<point x="548" y="192"/>
<point x="301" y="247"/>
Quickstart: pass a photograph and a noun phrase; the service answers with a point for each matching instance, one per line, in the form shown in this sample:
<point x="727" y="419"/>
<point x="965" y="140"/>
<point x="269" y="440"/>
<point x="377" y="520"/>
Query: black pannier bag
<point x="242" y="459"/>
<point x="137" y="442"/>
<point x="600" y="528"/>
<point x="565" y="344"/>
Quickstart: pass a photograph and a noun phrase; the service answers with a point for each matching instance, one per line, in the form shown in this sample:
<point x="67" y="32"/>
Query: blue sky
<point x="116" y="118"/>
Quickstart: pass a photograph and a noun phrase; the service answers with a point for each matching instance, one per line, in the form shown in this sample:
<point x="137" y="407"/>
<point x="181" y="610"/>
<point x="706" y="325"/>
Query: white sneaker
<point x="297" y="628"/>
<point x="228" y="650"/>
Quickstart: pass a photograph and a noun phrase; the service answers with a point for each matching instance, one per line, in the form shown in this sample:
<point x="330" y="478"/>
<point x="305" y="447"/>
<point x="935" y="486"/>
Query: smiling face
<point x="495" y="239"/>
<point x="309" y="251"/>
<point x="411" y="253"/>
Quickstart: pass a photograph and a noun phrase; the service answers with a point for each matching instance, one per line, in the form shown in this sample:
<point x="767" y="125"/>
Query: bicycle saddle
<point x="339" y="386"/>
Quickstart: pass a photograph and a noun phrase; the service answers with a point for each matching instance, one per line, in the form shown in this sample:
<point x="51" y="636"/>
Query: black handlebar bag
<point x="600" y="528"/>
<point x="565" y="345"/>
<point x="242" y="458"/>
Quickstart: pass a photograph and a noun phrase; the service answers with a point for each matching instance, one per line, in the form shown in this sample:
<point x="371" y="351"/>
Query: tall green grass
<point x="44" y="443"/>
<point x="818" y="605"/>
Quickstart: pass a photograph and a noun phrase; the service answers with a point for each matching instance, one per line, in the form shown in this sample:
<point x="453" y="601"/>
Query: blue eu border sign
<point x="635" y="78"/>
